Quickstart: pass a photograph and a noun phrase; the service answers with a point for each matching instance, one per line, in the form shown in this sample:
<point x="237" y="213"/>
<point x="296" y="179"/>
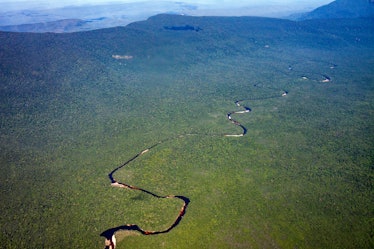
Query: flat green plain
<point x="302" y="177"/>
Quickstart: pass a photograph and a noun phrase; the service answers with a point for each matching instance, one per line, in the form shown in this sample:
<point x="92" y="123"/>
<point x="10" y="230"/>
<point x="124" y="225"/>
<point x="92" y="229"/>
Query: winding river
<point x="109" y="234"/>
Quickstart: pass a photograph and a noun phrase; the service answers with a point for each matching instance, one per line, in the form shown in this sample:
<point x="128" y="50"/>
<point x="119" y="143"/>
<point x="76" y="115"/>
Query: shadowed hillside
<point x="342" y="9"/>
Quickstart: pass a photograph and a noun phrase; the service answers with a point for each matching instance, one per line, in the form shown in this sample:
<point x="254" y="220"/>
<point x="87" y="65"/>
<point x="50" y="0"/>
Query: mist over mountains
<point x="91" y="17"/>
<point x="85" y="17"/>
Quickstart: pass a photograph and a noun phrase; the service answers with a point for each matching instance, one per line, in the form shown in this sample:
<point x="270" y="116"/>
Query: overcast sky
<point x="22" y="4"/>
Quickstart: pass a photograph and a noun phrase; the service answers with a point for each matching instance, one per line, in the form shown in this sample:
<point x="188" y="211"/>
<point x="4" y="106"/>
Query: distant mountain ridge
<point x="63" y="20"/>
<point x="60" y="26"/>
<point x="342" y="9"/>
<point x="85" y="17"/>
<point x="77" y="18"/>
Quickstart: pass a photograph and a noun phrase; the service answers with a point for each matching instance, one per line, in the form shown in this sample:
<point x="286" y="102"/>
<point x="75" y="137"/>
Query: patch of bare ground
<point x="121" y="235"/>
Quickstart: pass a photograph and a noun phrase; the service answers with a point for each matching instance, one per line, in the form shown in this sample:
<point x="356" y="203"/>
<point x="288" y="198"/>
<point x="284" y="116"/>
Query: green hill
<point x="75" y="106"/>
